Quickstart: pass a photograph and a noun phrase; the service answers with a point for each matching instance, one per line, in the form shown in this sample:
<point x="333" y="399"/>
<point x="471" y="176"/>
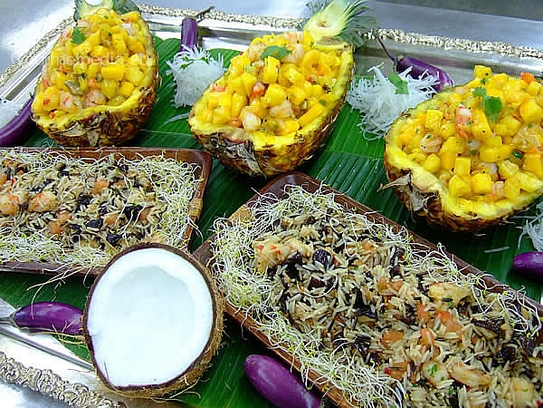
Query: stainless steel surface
<point x="42" y="342"/>
<point x="23" y="23"/>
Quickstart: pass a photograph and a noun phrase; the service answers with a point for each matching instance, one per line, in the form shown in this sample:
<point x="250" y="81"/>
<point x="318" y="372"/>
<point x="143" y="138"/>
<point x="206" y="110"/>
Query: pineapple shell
<point x="102" y="125"/>
<point x="425" y="195"/>
<point x="257" y="153"/>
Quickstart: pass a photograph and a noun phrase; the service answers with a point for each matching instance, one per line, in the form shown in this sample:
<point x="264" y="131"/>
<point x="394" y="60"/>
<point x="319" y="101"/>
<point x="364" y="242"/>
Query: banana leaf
<point x="348" y="162"/>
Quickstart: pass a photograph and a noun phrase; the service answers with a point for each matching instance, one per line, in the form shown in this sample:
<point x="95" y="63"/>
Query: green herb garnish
<point x="399" y="83"/>
<point x="78" y="36"/>
<point x="492" y="105"/>
<point x="275" y="51"/>
<point x="433" y="370"/>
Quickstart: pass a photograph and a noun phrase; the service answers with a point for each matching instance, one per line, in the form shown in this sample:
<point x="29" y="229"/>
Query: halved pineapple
<point x="471" y="156"/>
<point x="99" y="83"/>
<point x="274" y="106"/>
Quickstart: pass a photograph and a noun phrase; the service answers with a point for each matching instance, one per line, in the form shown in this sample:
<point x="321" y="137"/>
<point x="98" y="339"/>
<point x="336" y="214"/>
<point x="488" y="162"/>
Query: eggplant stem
<point x="385" y="49"/>
<point x="200" y="13"/>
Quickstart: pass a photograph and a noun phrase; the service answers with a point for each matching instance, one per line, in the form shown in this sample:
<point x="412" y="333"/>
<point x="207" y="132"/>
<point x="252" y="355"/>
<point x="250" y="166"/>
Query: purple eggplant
<point x="13" y="133"/>
<point x="53" y="317"/>
<point x="278" y="384"/>
<point x="529" y="264"/>
<point x="419" y="68"/>
<point x="189" y="30"/>
<point x="189" y="34"/>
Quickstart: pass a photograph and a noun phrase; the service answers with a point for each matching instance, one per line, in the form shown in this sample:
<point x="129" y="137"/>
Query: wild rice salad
<point x="60" y="209"/>
<point x="385" y="320"/>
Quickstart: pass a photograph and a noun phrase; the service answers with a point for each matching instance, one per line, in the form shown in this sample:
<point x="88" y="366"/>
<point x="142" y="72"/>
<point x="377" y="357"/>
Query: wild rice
<point x="60" y="209"/>
<point x="383" y="319"/>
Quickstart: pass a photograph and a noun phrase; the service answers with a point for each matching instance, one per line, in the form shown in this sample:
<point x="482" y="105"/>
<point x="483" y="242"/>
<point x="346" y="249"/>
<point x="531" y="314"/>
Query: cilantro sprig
<point x="275" y="51"/>
<point x="78" y="36"/>
<point x="492" y="105"/>
<point x="399" y="83"/>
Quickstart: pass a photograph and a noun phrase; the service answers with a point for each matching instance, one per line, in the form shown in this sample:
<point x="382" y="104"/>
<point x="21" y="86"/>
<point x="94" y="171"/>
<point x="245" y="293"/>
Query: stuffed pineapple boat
<point x="99" y="83"/>
<point x="274" y="106"/>
<point x="471" y="156"/>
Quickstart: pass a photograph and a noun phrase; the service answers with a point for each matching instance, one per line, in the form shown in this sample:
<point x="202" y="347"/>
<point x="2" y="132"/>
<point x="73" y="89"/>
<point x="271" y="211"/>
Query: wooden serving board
<point x="203" y="169"/>
<point x="276" y="188"/>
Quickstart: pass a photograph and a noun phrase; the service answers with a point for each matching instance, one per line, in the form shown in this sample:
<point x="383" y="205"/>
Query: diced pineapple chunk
<point x="113" y="71"/>
<point x="507" y="169"/>
<point x="238" y="102"/>
<point x="481" y="183"/>
<point x="432" y="163"/>
<point x="458" y="186"/>
<point x="528" y="182"/>
<point x="462" y="166"/>
<point x="275" y="95"/>
<point x="482" y="71"/>
<point x="313" y="113"/>
<point x="532" y="163"/>
<point x="508" y="126"/>
<point x="480" y="127"/>
<point x="447" y="160"/>
<point x="126" y="88"/>
<point x="271" y="70"/>
<point x="531" y="112"/>
<point x="511" y="188"/>
<point x="433" y="119"/>
<point x="134" y="75"/>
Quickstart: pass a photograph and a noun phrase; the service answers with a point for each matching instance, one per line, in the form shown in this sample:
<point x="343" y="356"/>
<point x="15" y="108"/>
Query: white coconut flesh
<point x="150" y="317"/>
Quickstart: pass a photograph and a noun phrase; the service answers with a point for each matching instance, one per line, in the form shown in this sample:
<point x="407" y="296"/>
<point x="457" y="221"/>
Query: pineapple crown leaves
<point x="345" y="19"/>
<point x="82" y="8"/>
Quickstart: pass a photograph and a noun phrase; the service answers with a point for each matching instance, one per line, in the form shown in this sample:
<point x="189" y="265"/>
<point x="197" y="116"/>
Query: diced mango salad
<point x="100" y="61"/>
<point x="483" y="139"/>
<point x="277" y="86"/>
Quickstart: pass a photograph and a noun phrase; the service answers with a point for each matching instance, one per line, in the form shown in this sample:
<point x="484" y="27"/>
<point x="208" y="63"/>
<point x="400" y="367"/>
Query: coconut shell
<point x="194" y="372"/>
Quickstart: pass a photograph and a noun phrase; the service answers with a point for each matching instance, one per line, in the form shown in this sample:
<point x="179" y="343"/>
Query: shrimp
<point x="42" y="202"/>
<point x="255" y="51"/>
<point x="9" y="204"/>
<point x="448" y="292"/>
<point x="430" y="143"/>
<point x="283" y="110"/>
<point x="523" y="392"/>
<point x="270" y="253"/>
<point x="249" y="120"/>
<point x="99" y="186"/>
<point x="435" y="372"/>
<point x="295" y="55"/>
<point x="468" y="375"/>
<point x="95" y="98"/>
<point x="462" y="117"/>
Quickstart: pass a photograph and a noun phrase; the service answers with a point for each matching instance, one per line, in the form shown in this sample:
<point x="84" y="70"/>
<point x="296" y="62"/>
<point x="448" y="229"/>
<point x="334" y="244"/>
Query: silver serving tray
<point x="219" y="29"/>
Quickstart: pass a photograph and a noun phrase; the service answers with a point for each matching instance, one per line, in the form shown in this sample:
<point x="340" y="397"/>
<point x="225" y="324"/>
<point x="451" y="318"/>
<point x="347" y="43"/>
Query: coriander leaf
<point x="78" y="36"/>
<point x="275" y="51"/>
<point x="492" y="105"/>
<point x="479" y="91"/>
<point x="399" y="83"/>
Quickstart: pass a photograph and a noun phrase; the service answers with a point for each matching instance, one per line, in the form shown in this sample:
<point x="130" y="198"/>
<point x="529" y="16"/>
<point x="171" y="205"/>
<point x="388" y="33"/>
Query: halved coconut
<point x="153" y="321"/>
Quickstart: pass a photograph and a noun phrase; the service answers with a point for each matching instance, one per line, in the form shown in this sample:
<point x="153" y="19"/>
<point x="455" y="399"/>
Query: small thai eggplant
<point x="278" y="384"/>
<point x="529" y="264"/>
<point x="189" y="31"/>
<point x="55" y="317"/>
<point x="419" y="68"/>
<point x="15" y="131"/>
<point x="189" y="34"/>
